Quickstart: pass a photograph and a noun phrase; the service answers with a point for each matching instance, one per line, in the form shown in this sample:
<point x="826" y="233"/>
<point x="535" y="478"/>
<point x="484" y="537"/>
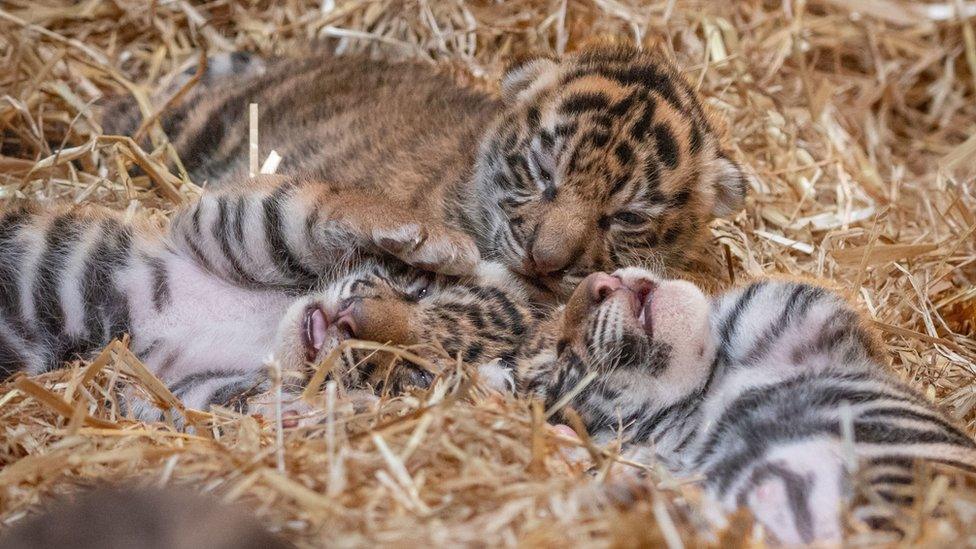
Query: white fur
<point x="211" y="323"/>
<point x="69" y="288"/>
<point x="819" y="461"/>
<point x="496" y="376"/>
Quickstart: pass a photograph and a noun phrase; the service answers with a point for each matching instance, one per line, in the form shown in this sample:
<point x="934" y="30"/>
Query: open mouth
<point x="642" y="298"/>
<point x="319" y="335"/>
<point x="316" y="328"/>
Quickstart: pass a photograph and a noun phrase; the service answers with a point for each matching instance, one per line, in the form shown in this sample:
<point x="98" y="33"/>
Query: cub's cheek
<point x="289" y="346"/>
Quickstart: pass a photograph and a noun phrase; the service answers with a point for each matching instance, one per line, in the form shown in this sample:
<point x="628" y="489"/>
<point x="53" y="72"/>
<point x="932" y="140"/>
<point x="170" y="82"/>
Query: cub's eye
<point x="420" y="292"/>
<point x="629" y="218"/>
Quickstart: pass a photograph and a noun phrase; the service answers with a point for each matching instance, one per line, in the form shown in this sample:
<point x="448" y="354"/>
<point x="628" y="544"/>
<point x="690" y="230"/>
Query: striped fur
<point x="233" y="283"/>
<point x="749" y="390"/>
<point x="602" y="159"/>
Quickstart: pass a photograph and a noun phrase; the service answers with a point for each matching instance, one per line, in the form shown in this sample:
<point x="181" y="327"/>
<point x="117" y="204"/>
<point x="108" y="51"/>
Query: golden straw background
<point x="856" y="119"/>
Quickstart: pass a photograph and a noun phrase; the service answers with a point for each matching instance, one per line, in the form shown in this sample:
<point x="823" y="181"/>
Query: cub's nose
<point x="345" y="319"/>
<point x="545" y="262"/>
<point x="601" y="285"/>
<point x="559" y="241"/>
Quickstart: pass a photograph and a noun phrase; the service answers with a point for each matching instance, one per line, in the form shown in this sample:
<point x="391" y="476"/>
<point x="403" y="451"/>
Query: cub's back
<point x="341" y="119"/>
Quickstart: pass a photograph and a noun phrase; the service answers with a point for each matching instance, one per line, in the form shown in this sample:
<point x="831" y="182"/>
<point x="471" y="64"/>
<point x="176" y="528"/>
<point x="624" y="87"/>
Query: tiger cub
<point x="237" y="280"/>
<point x="602" y="159"/>
<point x="749" y="390"/>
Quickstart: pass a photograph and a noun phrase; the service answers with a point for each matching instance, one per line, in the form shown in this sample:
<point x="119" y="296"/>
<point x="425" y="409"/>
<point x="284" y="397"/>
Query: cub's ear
<point x="526" y="76"/>
<point x="730" y="187"/>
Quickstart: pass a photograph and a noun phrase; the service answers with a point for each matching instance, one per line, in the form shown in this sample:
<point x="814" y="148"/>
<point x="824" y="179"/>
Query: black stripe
<point x="580" y="103"/>
<point x="648" y="425"/>
<point x="11" y="262"/>
<point x="895" y="499"/>
<point x="239" y="212"/>
<point x="598" y="138"/>
<point x="188" y="382"/>
<point x="879" y="432"/>
<point x="106" y="308"/>
<point x="199" y="256"/>
<point x="473" y="353"/>
<point x="893" y="479"/>
<point x="622" y="107"/>
<point x="278" y="248"/>
<point x="642" y="126"/>
<point x="143" y="355"/>
<point x="729" y="325"/>
<point x="234" y="395"/>
<point x="162" y="296"/>
<point x="60" y="240"/>
<point x="817" y="393"/>
<point x="667" y="147"/>
<point x="930" y="417"/>
<point x="797" y="487"/>
<point x="646" y="76"/>
<point x="796" y="305"/>
<point x="220" y="233"/>
<point x="532" y="118"/>
<point x="197" y="153"/>
<point x="270" y="112"/>
<point x="516" y="321"/>
<point x="892" y="461"/>
<point x="624" y="153"/>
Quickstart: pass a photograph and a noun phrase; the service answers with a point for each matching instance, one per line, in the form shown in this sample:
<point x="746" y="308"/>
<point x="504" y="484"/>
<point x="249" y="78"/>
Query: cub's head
<point x="479" y="319"/>
<point x="604" y="159"/>
<point x="648" y="339"/>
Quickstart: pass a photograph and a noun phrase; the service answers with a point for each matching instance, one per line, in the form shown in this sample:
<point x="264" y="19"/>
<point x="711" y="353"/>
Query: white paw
<point x="497" y="377"/>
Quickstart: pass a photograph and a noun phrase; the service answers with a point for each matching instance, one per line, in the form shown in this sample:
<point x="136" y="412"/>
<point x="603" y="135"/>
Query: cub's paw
<point x="430" y="247"/>
<point x="295" y="412"/>
<point x="222" y="66"/>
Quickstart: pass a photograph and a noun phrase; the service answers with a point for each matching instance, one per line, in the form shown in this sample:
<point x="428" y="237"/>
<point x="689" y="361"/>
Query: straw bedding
<point x="857" y="119"/>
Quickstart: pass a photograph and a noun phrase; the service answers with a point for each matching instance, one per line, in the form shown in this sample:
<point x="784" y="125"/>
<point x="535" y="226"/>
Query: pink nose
<point x="602" y="285"/>
<point x="346" y="320"/>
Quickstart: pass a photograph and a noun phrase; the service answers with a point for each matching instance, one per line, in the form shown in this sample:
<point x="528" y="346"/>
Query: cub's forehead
<point x="488" y="276"/>
<point x="402" y="276"/>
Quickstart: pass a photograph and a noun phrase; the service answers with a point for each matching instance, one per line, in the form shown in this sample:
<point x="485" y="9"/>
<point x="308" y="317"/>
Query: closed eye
<point x="629" y="218"/>
<point x="361" y="284"/>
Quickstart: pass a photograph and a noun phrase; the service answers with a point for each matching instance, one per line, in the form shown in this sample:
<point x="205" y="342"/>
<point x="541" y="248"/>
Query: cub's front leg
<point x="245" y="391"/>
<point x="291" y="231"/>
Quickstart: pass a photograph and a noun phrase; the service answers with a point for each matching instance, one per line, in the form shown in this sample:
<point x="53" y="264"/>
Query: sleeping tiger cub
<point x="239" y="277"/>
<point x="748" y="390"/>
<point x="605" y="158"/>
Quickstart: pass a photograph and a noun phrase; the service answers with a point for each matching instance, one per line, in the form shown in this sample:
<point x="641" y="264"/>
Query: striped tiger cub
<point x="750" y="390"/>
<point x="240" y="277"/>
<point x="602" y="159"/>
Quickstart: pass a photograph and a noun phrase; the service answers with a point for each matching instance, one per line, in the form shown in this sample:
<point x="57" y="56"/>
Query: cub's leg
<point x="62" y="272"/>
<point x="290" y="231"/>
<point x="246" y="391"/>
<point x="122" y="116"/>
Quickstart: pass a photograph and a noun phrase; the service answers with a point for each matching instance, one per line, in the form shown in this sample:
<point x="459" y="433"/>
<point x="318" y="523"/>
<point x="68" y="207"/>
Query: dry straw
<point x="857" y="119"/>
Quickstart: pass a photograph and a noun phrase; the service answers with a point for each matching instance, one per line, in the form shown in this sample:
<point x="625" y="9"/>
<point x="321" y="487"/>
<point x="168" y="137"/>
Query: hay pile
<point x="856" y="117"/>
